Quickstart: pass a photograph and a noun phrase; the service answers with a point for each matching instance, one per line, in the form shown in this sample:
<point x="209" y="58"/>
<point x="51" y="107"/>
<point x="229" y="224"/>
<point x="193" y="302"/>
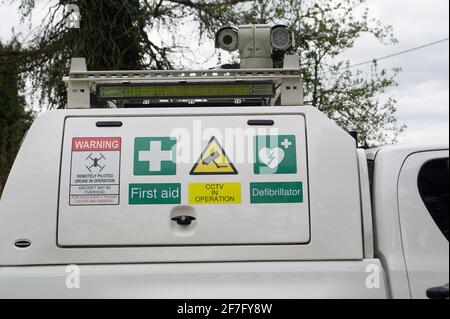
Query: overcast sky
<point x="423" y="91"/>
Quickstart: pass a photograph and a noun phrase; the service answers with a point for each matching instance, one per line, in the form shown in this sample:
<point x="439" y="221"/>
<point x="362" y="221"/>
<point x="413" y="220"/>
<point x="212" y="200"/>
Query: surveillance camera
<point x="227" y="39"/>
<point x="281" y="37"/>
<point x="256" y="43"/>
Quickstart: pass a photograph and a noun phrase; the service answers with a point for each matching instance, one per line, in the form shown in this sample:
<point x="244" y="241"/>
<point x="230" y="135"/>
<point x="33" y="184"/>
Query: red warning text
<point x="89" y="144"/>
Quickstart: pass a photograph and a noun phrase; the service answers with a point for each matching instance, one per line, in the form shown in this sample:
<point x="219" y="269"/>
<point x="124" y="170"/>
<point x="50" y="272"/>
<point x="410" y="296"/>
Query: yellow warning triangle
<point x="213" y="161"/>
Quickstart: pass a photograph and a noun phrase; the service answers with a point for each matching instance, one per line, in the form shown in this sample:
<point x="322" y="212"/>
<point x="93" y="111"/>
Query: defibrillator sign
<point x="95" y="171"/>
<point x="275" y="154"/>
<point x="213" y="161"/>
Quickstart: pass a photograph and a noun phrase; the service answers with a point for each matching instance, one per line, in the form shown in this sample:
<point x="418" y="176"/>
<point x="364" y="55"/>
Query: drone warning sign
<point x="95" y="171"/>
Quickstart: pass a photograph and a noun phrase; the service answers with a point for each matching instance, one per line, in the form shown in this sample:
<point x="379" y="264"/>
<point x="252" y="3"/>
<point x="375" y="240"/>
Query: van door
<point x="177" y="181"/>
<point x="423" y="194"/>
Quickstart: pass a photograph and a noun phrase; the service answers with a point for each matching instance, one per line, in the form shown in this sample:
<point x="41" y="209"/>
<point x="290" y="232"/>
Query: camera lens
<point x="281" y="37"/>
<point x="227" y="39"/>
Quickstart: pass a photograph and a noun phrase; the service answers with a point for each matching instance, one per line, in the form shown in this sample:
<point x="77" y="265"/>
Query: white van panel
<point x="29" y="204"/>
<point x="262" y="280"/>
<point x="125" y="223"/>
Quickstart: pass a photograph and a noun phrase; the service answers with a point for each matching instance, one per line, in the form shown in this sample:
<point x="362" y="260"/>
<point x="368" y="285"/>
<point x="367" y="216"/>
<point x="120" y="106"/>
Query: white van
<point x="218" y="202"/>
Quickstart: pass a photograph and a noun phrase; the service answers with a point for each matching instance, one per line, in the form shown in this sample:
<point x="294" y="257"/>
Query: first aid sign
<point x="95" y="171"/>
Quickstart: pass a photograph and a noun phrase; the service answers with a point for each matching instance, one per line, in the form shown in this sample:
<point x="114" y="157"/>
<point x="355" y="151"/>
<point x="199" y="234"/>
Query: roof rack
<point x="288" y="84"/>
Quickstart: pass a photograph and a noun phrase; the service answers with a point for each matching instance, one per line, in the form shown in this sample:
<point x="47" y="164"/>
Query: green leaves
<point x="115" y="35"/>
<point x="324" y="30"/>
<point x="14" y="119"/>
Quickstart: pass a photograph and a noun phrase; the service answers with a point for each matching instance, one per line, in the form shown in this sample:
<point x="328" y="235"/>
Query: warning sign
<point x="214" y="193"/>
<point x="95" y="171"/>
<point x="213" y="161"/>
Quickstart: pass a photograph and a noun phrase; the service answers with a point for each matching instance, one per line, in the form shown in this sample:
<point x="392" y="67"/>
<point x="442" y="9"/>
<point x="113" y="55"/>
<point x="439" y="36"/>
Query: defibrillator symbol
<point x="213" y="161"/>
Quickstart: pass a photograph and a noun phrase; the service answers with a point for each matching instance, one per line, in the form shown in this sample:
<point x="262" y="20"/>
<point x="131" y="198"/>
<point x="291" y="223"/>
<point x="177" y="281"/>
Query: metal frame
<point x="81" y="82"/>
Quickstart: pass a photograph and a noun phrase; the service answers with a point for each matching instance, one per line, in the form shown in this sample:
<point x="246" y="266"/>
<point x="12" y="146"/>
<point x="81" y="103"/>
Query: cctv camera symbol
<point x="212" y="159"/>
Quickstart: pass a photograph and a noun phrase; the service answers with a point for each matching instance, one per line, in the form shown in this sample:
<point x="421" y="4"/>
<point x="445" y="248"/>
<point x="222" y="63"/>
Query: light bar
<point x="185" y="90"/>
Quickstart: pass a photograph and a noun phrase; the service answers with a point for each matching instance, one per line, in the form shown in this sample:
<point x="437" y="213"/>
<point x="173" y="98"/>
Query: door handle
<point x="184" y="220"/>
<point x="438" y="292"/>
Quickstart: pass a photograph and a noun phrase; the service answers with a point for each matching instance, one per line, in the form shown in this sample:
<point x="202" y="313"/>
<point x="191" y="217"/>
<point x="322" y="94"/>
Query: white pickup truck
<point x="219" y="202"/>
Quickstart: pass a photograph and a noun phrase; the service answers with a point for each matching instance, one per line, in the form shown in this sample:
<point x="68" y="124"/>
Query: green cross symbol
<point x="155" y="156"/>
